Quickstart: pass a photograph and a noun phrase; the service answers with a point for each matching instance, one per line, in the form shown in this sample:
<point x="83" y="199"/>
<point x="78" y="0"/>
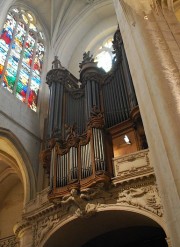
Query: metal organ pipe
<point x="56" y="105"/>
<point x="129" y="82"/>
<point x="122" y="95"/>
<point x="86" y="165"/>
<point x="89" y="160"/>
<point x="118" y="98"/>
<point x="51" y="110"/>
<point x="121" y="106"/>
<point x="125" y="93"/>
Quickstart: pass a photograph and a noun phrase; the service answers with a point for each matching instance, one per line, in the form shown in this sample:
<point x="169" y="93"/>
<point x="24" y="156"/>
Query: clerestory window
<point x="104" y="56"/>
<point x="21" y="56"/>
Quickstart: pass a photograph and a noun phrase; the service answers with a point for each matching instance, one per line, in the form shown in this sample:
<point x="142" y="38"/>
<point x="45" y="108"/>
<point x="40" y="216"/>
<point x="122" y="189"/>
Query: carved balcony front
<point x="131" y="167"/>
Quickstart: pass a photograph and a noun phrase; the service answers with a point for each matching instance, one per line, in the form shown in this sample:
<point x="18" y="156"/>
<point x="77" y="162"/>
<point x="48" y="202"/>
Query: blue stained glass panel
<point x="29" y="48"/>
<point x="5" y="40"/>
<point x="22" y="85"/>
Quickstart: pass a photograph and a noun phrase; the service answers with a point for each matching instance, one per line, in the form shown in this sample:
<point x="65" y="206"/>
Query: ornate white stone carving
<point x="80" y="202"/>
<point x="44" y="226"/>
<point x="132" y="165"/>
<point x="134" y="187"/>
<point x="144" y="197"/>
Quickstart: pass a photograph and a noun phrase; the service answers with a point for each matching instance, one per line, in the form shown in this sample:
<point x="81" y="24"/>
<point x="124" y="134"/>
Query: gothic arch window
<point x="21" y="56"/>
<point x="104" y="56"/>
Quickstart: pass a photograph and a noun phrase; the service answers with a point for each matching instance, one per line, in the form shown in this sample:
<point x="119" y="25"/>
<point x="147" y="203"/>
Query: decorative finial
<point x="56" y="64"/>
<point x="87" y="58"/>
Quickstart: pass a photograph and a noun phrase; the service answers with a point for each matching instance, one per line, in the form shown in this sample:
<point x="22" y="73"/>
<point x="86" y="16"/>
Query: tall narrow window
<point x="104" y="55"/>
<point x="21" y="56"/>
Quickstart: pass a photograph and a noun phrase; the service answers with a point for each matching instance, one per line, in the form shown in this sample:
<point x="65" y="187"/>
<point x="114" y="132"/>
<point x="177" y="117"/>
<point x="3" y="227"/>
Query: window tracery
<point x="104" y="56"/>
<point x="21" y="56"/>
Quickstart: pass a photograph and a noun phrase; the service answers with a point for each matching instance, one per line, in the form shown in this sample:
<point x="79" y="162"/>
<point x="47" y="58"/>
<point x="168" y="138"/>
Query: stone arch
<point x="112" y="216"/>
<point x="12" y="152"/>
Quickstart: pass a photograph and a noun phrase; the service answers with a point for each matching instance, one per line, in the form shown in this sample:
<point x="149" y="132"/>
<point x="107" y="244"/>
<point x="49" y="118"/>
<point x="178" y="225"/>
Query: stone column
<point x="156" y="81"/>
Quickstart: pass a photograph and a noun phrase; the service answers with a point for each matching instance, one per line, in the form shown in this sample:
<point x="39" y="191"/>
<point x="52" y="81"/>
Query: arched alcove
<point x="17" y="182"/>
<point x="14" y="154"/>
<point x="133" y="228"/>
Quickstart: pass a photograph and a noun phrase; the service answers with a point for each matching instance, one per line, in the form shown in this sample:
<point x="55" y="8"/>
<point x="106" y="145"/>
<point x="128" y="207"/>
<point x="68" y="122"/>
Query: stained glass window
<point x="104" y="55"/>
<point x="21" y="56"/>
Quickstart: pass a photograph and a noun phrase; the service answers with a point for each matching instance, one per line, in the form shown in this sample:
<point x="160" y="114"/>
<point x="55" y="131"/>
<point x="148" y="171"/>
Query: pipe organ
<point x="79" y="151"/>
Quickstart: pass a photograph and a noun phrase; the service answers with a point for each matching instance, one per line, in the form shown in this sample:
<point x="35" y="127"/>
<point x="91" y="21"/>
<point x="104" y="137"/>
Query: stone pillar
<point x="156" y="80"/>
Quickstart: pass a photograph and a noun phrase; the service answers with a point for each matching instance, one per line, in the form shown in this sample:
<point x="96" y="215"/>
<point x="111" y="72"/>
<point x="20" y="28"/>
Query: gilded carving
<point x="96" y="118"/>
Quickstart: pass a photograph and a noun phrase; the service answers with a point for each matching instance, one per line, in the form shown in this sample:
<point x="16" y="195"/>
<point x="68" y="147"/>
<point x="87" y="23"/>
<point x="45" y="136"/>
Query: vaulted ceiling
<point x="73" y="26"/>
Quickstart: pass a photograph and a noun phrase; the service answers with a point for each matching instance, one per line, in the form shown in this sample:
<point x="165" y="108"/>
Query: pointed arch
<point x="12" y="150"/>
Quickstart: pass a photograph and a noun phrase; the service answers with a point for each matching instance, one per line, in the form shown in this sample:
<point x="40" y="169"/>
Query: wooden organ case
<point x="85" y="122"/>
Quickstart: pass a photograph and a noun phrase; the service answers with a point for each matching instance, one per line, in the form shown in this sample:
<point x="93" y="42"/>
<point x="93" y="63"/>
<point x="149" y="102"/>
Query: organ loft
<point x="88" y="123"/>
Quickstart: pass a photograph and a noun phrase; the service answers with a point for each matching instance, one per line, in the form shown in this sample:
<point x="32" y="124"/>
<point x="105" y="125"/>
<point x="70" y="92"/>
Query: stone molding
<point x="42" y="216"/>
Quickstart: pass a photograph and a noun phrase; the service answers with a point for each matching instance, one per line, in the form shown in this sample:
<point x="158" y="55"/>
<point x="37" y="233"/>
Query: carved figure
<point x="80" y="201"/>
<point x="56" y="64"/>
<point x="87" y="58"/>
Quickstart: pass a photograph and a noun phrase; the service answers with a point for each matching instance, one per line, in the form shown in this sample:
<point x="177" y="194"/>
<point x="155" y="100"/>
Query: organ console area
<point x="90" y="121"/>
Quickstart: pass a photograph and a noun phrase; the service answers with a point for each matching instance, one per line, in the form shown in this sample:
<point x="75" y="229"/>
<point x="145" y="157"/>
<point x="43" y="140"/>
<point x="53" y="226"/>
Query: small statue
<point x="87" y="58"/>
<point x="56" y="64"/>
